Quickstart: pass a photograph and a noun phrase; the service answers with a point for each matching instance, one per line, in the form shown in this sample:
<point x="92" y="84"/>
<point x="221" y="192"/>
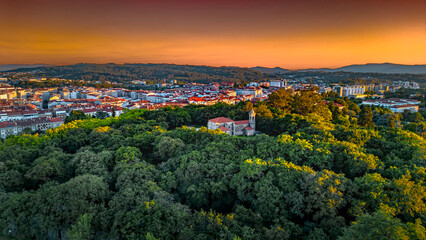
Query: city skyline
<point x="216" y="33"/>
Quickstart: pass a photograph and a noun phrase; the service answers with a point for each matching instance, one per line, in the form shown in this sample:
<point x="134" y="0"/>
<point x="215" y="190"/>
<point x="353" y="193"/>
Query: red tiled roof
<point x="89" y="110"/>
<point x="220" y="120"/>
<point x="56" y="119"/>
<point x="7" y="124"/>
<point x="248" y="128"/>
<point x="199" y="99"/>
<point x="14" y="113"/>
<point x="405" y="106"/>
<point x="402" y="100"/>
<point x="241" y="122"/>
<point x="227" y="83"/>
<point x="225" y="129"/>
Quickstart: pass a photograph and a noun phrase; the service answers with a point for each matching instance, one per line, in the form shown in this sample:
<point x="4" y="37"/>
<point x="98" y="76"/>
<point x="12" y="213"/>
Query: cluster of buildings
<point x="358" y="91"/>
<point x="34" y="124"/>
<point x="397" y="105"/>
<point x="44" y="108"/>
<point x="407" y="84"/>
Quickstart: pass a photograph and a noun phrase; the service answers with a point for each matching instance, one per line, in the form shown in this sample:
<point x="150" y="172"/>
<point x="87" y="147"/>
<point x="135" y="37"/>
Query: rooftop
<point x="241" y="122"/>
<point x="221" y="120"/>
<point x="225" y="129"/>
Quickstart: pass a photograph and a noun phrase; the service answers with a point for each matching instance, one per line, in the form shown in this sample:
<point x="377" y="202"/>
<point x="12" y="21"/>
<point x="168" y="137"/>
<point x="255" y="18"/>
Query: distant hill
<point x="156" y="72"/>
<point x="270" y="70"/>
<point x="385" y="68"/>
<point x="316" y="70"/>
<point x="17" y="66"/>
<point x="192" y="73"/>
<point x="375" y="68"/>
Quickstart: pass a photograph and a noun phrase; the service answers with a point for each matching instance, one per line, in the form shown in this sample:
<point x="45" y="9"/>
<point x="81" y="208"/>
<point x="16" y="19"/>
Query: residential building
<point x="395" y="104"/>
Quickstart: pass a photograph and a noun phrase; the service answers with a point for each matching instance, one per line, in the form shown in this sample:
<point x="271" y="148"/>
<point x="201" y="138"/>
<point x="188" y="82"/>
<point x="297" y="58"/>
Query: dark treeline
<point x="319" y="171"/>
<point x="418" y="94"/>
<point x="62" y="83"/>
<point x="155" y="73"/>
<point x="158" y="72"/>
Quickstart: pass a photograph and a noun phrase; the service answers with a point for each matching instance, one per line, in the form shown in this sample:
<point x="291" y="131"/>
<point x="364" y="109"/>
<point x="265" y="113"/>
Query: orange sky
<point x="287" y="33"/>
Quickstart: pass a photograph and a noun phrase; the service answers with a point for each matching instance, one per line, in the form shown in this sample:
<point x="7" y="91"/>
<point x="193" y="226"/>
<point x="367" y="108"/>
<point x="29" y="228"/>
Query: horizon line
<point x="218" y="66"/>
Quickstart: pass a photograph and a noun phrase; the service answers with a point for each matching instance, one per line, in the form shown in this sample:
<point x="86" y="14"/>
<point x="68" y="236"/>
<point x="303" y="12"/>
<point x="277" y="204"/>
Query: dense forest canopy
<point x="317" y="172"/>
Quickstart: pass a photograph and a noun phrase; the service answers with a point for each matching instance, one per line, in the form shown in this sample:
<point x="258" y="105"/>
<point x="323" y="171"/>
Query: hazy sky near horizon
<point x="286" y="33"/>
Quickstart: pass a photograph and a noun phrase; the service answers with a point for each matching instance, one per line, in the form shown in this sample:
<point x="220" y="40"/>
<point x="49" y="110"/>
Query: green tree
<point x="366" y="117"/>
<point x="379" y="226"/>
<point x="248" y="106"/>
<point x="306" y="102"/>
<point x="168" y="147"/>
<point x="281" y="100"/>
<point x="75" y="115"/>
<point x="101" y="115"/>
<point x="82" y="230"/>
<point x="354" y="107"/>
<point x="44" y="169"/>
<point x="149" y="236"/>
<point x="415" y="117"/>
<point x="262" y="110"/>
<point x="391" y="121"/>
<point x="128" y="155"/>
<point x="88" y="162"/>
<point x="11" y="180"/>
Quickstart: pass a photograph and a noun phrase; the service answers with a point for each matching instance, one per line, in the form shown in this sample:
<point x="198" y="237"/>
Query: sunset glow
<point x="237" y="33"/>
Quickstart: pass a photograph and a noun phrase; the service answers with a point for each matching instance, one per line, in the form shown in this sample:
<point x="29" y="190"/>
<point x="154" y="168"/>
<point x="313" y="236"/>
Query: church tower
<point x="252" y="119"/>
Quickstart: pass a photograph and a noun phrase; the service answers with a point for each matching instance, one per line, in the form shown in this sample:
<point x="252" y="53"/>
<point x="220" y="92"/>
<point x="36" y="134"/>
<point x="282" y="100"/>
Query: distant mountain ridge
<point x="374" y="68"/>
<point x="274" y="70"/>
<point x="386" y="68"/>
<point x="358" y="68"/>
<point x="17" y="66"/>
<point x="390" y="68"/>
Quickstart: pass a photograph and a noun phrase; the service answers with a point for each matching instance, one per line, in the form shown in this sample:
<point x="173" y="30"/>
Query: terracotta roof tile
<point x="241" y="122"/>
<point x="220" y="120"/>
<point x="225" y="129"/>
<point x="405" y="106"/>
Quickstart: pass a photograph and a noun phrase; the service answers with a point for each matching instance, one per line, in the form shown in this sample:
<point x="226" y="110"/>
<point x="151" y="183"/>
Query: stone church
<point x="234" y="128"/>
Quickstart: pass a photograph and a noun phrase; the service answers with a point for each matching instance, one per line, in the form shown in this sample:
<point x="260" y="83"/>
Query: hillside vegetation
<point x="317" y="172"/>
<point x="128" y="72"/>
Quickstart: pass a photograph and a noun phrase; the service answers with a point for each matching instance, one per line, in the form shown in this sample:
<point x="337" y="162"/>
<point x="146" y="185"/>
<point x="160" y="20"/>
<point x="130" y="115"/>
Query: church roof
<point x="220" y="120"/>
<point x="225" y="129"/>
<point x="241" y="122"/>
<point x="248" y="128"/>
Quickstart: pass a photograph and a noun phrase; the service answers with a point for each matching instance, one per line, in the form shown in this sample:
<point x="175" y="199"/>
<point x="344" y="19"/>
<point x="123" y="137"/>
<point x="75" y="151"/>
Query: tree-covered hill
<point x="128" y="72"/>
<point x="155" y="73"/>
<point x="317" y="172"/>
<point x="356" y="77"/>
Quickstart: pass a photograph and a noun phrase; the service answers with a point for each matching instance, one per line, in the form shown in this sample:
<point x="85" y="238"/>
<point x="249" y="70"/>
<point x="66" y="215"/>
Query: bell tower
<point x="252" y="119"/>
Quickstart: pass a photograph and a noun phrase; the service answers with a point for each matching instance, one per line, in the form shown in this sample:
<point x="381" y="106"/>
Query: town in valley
<point x="39" y="109"/>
